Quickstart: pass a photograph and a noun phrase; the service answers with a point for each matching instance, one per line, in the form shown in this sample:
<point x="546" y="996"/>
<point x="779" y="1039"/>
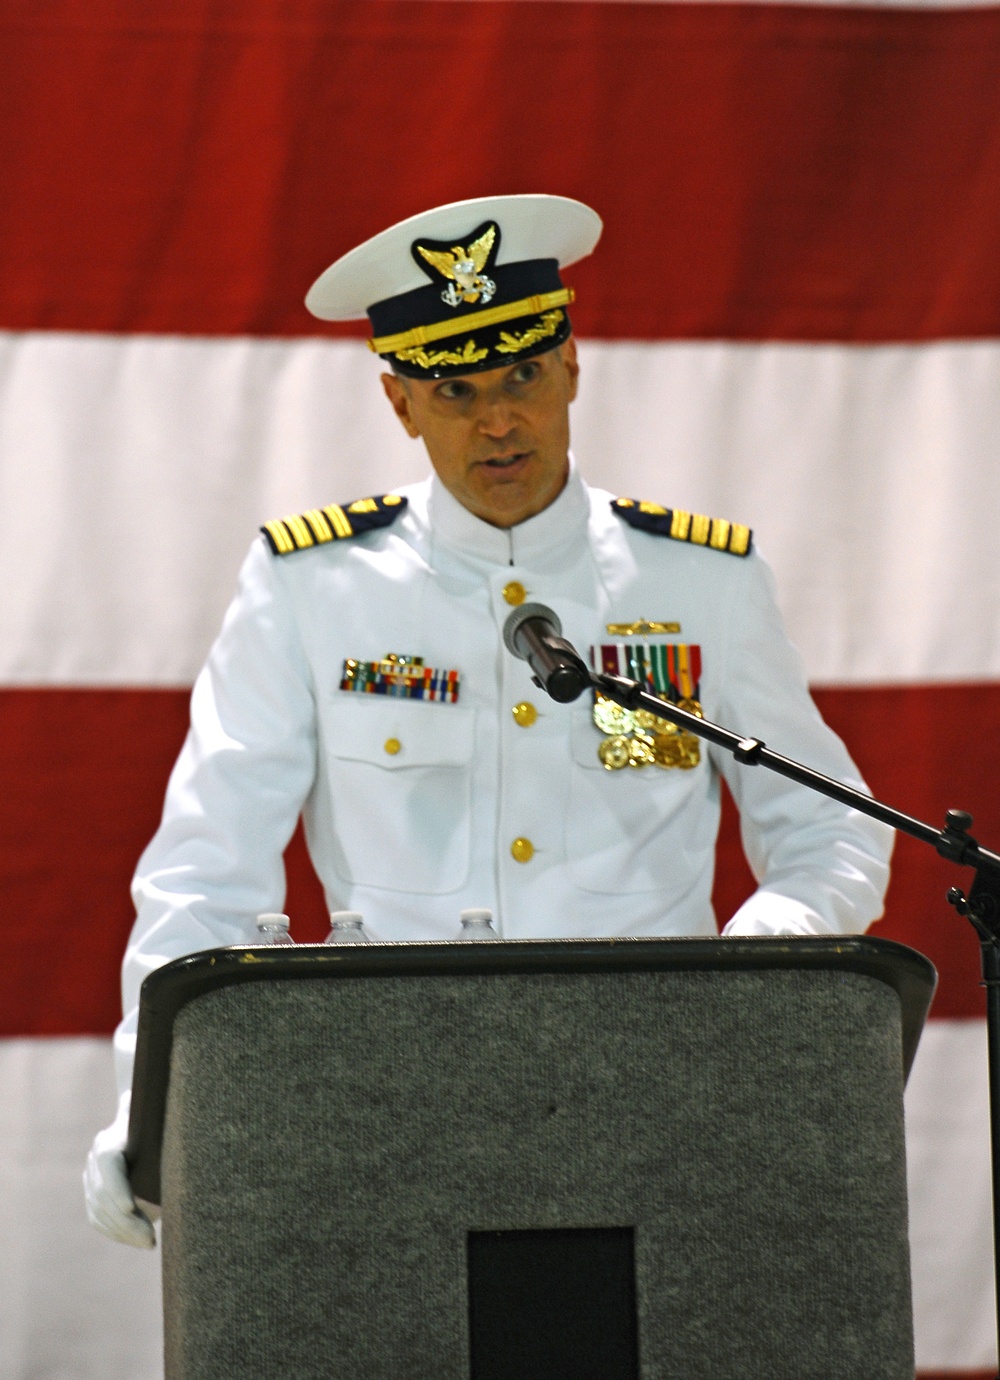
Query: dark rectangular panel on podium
<point x="542" y="1302"/>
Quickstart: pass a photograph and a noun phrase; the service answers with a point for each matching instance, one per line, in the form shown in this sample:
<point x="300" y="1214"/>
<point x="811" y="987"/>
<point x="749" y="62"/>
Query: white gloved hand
<point x="768" y="913"/>
<point x="111" y="1208"/>
<point x="742" y="929"/>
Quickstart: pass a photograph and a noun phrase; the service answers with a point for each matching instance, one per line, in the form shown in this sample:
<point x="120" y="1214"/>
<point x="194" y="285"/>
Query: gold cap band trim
<point x="476" y="320"/>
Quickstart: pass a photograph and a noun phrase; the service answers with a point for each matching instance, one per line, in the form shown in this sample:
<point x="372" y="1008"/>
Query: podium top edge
<point x="171" y="987"/>
<point x="183" y="979"/>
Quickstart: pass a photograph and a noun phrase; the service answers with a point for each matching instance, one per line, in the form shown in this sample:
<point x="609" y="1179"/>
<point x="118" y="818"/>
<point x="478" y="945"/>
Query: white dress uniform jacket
<point x="411" y="837"/>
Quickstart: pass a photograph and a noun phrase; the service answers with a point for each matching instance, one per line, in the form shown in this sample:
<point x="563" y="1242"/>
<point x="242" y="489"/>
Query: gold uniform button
<point x="392" y="746"/>
<point x="525" y="713"/>
<point x="514" y="592"/>
<point x="522" y="850"/>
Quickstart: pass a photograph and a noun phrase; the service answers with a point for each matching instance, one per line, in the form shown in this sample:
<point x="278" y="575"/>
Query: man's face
<point x="499" y="440"/>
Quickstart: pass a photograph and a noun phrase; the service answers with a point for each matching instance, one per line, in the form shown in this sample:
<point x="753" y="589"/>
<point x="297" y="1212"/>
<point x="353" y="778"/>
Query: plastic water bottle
<point x="477" y="924"/>
<point x="273" y="928"/>
<point x="347" y="927"/>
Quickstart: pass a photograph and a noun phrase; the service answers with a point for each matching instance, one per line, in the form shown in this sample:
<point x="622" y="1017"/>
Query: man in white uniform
<point x="360" y="677"/>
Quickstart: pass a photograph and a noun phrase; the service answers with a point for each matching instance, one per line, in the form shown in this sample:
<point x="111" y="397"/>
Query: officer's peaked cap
<point x="470" y="286"/>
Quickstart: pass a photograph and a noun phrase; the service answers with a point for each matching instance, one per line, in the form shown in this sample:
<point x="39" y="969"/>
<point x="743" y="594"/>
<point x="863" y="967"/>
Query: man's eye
<point x="452" y="391"/>
<point x="526" y="372"/>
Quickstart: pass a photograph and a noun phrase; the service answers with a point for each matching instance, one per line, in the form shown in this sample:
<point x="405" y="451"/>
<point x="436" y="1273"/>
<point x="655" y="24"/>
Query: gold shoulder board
<point x="695" y="528"/>
<point x="332" y="523"/>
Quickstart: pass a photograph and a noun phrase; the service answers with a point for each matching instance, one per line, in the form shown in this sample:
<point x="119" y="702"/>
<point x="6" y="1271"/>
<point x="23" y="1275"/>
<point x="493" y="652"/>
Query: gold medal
<point x="692" y="707"/>
<point x="651" y="723"/>
<point x="667" y="750"/>
<point x="614" y="752"/>
<point x="690" y="745"/>
<point x="676" y="749"/>
<point x="640" y="738"/>
<point x="640" y="751"/>
<point x="692" y="755"/>
<point x="612" y="718"/>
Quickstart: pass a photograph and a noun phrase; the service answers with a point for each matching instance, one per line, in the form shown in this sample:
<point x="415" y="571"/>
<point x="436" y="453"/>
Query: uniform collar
<point x="562" y="523"/>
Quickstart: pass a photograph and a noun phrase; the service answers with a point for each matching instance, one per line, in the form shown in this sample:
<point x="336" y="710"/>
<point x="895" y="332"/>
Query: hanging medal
<point x="638" y="737"/>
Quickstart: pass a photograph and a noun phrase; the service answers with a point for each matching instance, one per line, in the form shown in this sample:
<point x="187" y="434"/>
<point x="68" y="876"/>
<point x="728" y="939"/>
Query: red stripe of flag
<point x="990" y="1374"/>
<point x="766" y="171"/>
<point x="84" y="773"/>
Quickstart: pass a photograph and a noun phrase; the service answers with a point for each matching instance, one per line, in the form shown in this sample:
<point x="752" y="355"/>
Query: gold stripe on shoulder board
<point x="281" y="541"/>
<point x="698" y="529"/>
<point x="318" y="526"/>
<point x="341" y="523"/>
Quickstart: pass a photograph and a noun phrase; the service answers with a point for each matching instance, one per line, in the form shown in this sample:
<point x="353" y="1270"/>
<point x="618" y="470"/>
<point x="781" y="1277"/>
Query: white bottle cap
<point x="272" y="920"/>
<point x="474" y="915"/>
<point x="346" y="917"/>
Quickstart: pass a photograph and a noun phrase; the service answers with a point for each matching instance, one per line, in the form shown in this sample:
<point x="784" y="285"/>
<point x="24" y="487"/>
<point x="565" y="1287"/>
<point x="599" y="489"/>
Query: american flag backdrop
<point x="793" y="321"/>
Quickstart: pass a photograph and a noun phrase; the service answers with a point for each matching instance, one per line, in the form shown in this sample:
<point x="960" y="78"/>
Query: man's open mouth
<point x="504" y="462"/>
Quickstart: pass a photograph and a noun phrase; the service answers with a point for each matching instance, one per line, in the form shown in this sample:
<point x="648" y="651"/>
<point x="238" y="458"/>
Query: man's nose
<point x="497" y="418"/>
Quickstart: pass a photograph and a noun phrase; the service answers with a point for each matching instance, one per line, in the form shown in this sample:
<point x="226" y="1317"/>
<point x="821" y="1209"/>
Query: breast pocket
<point x="637" y="829"/>
<point x="401" y="776"/>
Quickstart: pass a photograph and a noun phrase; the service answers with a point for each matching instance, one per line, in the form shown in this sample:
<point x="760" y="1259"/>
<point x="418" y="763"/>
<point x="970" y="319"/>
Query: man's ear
<point x="400" y="397"/>
<point x="571" y="363"/>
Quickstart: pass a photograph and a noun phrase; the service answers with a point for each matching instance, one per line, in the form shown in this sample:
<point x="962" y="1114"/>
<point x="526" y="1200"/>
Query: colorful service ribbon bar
<point x="401" y="678"/>
<point x="672" y="669"/>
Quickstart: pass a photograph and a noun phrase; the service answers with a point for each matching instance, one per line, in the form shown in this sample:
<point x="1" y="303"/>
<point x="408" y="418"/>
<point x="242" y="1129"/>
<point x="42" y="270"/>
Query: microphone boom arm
<point x="534" y="634"/>
<point x="752" y="752"/>
<point x="981" y="906"/>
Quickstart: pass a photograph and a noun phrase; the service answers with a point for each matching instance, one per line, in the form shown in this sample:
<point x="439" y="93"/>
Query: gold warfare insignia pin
<point x="642" y="627"/>
<point x="637" y="737"/>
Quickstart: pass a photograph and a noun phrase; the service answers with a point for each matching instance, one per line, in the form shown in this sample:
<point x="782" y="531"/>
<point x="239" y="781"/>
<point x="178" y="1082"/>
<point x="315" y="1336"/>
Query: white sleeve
<point x="822" y="868"/>
<point x="234" y="796"/>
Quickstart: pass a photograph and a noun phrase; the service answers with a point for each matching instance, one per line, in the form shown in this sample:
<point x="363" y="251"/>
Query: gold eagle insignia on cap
<point x="696" y="528"/>
<point x="317" y="526"/>
<point x="464" y="268"/>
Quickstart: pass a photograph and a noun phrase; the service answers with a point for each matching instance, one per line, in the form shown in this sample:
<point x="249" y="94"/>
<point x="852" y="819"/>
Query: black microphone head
<point x="567" y="683"/>
<point x="519" y="617"/>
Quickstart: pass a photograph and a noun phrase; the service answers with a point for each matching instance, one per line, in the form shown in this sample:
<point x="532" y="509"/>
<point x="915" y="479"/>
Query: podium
<point x="541" y="1160"/>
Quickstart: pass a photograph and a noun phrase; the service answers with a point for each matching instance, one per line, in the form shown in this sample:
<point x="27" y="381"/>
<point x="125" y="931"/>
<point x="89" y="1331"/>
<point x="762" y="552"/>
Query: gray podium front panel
<point x="329" y="1146"/>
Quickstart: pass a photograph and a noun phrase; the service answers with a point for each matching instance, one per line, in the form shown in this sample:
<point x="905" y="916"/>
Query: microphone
<point x="533" y="633"/>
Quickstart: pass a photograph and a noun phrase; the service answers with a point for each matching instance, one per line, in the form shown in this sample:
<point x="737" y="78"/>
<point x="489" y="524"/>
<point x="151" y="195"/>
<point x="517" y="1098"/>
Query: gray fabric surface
<point x="330" y="1143"/>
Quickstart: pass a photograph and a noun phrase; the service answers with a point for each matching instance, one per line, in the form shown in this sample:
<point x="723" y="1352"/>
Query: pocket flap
<point x="585" y="739"/>
<point x="396" y="734"/>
